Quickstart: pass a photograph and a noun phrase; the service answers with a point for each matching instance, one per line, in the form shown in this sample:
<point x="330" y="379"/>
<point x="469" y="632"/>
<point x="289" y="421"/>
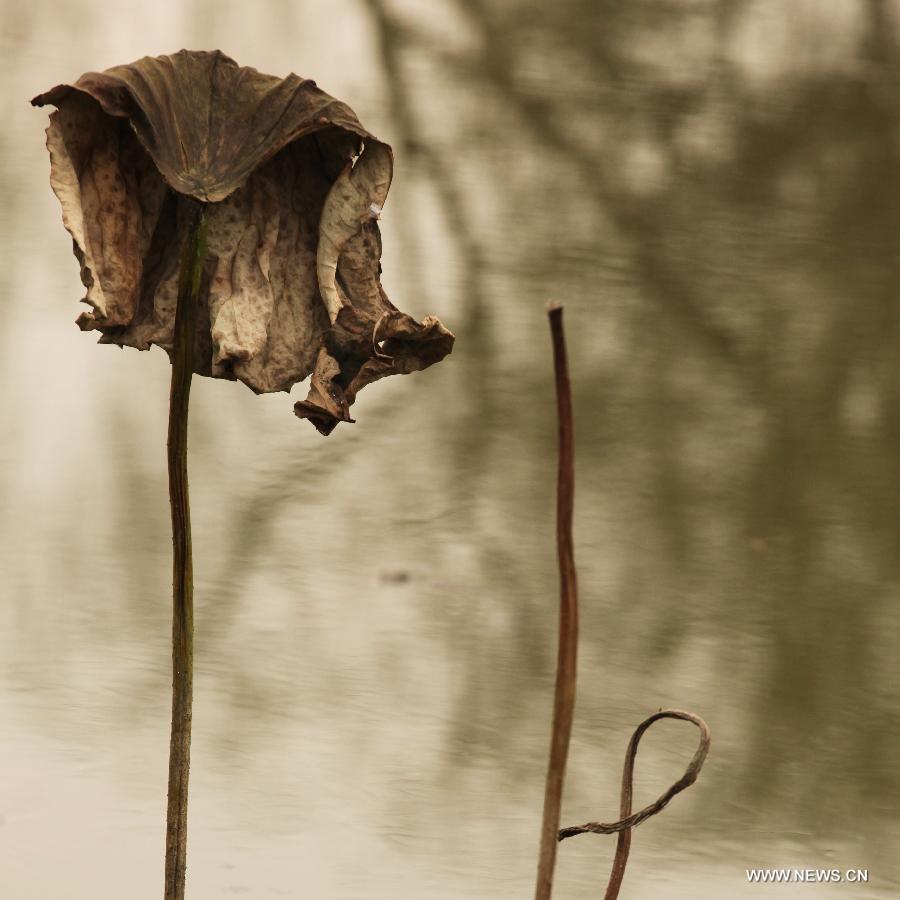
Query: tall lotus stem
<point x="564" y="697"/>
<point x="183" y="578"/>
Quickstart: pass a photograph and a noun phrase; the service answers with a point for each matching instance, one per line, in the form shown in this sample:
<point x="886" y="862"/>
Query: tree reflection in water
<point x="738" y="239"/>
<point x="713" y="190"/>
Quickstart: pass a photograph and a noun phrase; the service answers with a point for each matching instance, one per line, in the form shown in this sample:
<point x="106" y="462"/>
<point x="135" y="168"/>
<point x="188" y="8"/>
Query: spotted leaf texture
<point x="291" y="284"/>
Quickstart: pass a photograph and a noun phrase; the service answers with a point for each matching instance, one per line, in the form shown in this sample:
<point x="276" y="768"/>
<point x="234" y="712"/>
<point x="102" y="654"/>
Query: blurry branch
<point x="475" y="332"/>
<point x="496" y="63"/>
<point x="391" y="38"/>
<point x="880" y="35"/>
<point x="804" y="452"/>
<point x="638" y="221"/>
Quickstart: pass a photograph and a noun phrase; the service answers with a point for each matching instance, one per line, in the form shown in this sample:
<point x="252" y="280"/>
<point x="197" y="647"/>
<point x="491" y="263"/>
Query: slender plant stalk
<point x="183" y="578"/>
<point x="631" y="820"/>
<point x="623" y="838"/>
<point x="564" y="696"/>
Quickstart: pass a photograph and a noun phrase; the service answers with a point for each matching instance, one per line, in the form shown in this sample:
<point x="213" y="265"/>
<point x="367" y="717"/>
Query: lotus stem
<point x="183" y="579"/>
<point x="631" y="820"/>
<point x="564" y="697"/>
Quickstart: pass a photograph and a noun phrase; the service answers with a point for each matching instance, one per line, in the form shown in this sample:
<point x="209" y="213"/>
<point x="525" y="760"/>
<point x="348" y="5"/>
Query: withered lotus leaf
<point x="295" y="184"/>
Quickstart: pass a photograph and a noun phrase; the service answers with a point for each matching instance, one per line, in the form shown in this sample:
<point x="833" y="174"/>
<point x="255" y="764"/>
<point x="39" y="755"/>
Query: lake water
<point x="713" y="191"/>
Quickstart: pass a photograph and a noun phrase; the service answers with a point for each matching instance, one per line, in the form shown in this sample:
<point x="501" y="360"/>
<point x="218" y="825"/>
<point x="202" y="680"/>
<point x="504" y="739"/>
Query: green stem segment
<point x="564" y="697"/>
<point x="183" y="580"/>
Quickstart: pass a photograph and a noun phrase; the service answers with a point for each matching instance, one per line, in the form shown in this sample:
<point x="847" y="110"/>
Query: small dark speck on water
<point x="395" y="576"/>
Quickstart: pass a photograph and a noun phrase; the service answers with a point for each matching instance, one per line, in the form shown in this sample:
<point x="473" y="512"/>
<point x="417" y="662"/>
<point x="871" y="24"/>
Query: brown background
<point x="713" y="190"/>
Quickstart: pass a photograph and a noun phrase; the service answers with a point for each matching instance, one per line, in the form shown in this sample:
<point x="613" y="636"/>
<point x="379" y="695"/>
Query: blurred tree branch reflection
<point x="759" y="395"/>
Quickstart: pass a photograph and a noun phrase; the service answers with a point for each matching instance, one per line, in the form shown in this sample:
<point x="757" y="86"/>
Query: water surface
<point x="713" y="190"/>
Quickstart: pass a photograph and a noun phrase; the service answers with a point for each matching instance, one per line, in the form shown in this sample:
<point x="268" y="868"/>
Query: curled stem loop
<point x="631" y="820"/>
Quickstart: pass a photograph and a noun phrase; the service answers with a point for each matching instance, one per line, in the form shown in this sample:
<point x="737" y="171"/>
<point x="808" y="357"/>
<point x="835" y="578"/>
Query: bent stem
<point x="183" y="579"/>
<point x="631" y="820"/>
<point x="564" y="696"/>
